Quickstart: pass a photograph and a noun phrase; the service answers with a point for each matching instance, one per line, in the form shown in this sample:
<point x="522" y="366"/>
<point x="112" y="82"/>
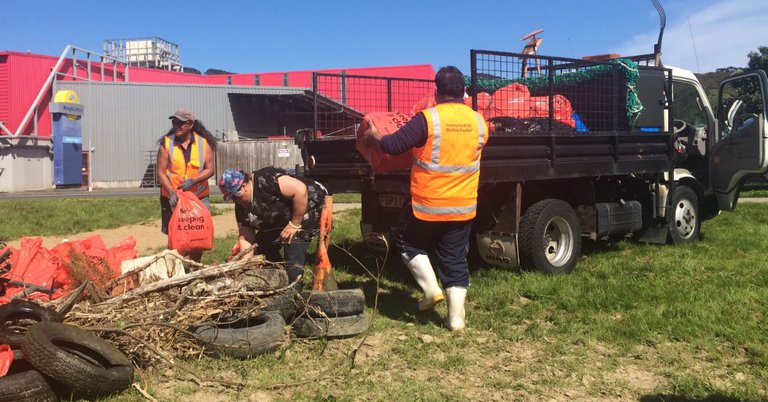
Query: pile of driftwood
<point x="154" y="323"/>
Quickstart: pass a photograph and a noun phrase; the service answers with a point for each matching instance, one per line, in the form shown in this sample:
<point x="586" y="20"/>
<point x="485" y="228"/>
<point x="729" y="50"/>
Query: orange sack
<point x="387" y="123"/>
<point x="191" y="226"/>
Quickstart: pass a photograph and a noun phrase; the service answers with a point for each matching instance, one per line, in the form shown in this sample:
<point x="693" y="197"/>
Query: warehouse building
<point x="125" y="111"/>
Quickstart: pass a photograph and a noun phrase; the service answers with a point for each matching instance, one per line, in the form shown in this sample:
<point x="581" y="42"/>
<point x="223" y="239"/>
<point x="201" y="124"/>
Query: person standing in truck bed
<point x="446" y="142"/>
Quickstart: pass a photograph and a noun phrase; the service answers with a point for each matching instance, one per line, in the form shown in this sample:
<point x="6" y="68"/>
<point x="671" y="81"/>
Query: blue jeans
<point x="294" y="256"/>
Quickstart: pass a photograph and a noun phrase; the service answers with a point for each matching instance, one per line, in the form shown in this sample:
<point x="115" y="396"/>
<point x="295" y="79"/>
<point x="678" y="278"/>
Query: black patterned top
<point x="268" y="212"/>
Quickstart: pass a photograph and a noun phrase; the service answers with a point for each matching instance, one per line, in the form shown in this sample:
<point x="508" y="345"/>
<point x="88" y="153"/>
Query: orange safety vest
<point x="179" y="170"/>
<point x="446" y="170"/>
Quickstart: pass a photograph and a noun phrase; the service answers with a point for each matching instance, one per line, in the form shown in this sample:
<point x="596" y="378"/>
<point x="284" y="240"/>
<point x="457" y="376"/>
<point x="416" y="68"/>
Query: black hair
<point x="450" y="82"/>
<point x="199" y="128"/>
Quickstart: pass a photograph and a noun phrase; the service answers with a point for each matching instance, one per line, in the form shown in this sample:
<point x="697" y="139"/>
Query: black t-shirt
<point x="268" y="213"/>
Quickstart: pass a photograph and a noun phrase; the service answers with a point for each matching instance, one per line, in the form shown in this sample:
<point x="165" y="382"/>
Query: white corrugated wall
<point x="123" y="121"/>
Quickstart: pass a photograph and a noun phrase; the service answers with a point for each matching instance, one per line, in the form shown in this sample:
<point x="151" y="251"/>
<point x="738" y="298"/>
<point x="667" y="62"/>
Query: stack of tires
<point x="53" y="360"/>
<point x="332" y="314"/>
<point x="247" y="336"/>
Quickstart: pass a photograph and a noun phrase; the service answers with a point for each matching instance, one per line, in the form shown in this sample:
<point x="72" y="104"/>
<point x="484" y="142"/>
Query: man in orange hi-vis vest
<point x="185" y="162"/>
<point x="446" y="142"/>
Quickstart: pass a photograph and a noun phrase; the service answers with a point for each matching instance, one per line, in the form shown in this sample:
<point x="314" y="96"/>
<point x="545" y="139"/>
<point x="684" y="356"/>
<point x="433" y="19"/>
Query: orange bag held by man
<point x="191" y="226"/>
<point x="387" y="123"/>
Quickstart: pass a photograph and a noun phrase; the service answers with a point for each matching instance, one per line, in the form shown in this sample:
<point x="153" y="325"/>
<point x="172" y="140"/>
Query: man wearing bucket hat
<point x="275" y="210"/>
<point x="185" y="162"/>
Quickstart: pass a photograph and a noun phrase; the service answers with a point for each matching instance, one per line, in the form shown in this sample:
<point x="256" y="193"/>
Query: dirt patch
<point x="148" y="236"/>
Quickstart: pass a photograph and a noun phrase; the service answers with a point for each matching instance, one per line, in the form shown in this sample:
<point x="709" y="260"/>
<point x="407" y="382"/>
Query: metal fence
<point x="341" y="100"/>
<point x="150" y="174"/>
<point x="525" y="94"/>
<point x="255" y="154"/>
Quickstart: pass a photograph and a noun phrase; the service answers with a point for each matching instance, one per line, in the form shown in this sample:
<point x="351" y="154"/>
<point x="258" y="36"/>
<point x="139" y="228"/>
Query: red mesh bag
<point x="387" y="123"/>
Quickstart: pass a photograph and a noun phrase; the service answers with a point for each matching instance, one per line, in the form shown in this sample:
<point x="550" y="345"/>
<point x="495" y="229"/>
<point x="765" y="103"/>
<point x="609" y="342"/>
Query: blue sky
<point x="284" y="35"/>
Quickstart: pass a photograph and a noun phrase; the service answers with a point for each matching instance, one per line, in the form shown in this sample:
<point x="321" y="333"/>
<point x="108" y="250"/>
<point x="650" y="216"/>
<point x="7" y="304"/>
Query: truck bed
<point x="619" y="105"/>
<point x="514" y="158"/>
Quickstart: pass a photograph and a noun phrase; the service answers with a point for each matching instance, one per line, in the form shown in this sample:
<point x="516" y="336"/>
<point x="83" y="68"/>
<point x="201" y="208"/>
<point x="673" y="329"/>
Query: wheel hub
<point x="685" y="218"/>
<point x="558" y="241"/>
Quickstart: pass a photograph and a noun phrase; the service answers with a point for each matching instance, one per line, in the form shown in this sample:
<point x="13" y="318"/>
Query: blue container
<point x="67" y="144"/>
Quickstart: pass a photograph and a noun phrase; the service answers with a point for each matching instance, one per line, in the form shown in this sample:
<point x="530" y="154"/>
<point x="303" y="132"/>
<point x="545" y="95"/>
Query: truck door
<point x="741" y="145"/>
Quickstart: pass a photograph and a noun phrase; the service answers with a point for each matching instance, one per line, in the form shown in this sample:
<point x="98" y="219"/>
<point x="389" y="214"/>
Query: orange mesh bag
<point x="387" y="123"/>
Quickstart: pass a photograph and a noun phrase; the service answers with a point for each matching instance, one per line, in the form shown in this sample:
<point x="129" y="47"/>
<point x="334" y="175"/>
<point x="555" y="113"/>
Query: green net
<point x="538" y="83"/>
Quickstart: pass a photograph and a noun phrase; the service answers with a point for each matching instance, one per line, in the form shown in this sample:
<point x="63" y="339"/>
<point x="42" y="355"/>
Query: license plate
<point x="392" y="200"/>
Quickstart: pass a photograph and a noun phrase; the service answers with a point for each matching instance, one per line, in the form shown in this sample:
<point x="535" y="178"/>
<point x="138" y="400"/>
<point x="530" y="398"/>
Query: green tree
<point x="749" y="90"/>
<point x="759" y="59"/>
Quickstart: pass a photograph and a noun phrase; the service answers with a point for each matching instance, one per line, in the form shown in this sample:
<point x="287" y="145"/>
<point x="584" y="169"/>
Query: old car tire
<point x="684" y="224"/>
<point x="334" y="303"/>
<point x="264" y="279"/>
<point x="244" y="337"/>
<point x="81" y="361"/>
<point x="320" y="327"/>
<point x="284" y="303"/>
<point x="550" y="237"/>
<point x="18" y="315"/>
<point x="26" y="386"/>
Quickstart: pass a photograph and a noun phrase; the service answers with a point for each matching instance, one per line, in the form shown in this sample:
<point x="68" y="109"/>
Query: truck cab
<point x="719" y="146"/>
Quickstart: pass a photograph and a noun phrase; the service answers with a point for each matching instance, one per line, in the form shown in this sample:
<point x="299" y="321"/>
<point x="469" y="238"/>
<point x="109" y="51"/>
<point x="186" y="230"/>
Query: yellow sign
<point x="66" y="96"/>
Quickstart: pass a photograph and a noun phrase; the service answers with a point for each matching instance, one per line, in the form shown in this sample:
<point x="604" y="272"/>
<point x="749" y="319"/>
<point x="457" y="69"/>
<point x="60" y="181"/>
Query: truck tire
<point x="550" y="237"/>
<point x="17" y="316"/>
<point x="244" y="338"/>
<point x="81" y="361"/>
<point x="684" y="224"/>
<point x="316" y="327"/>
<point x="264" y="279"/>
<point x="334" y="303"/>
<point x="284" y="303"/>
<point x="26" y="386"/>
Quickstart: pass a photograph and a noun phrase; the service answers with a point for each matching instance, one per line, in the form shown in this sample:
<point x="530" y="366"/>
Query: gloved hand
<point x="186" y="184"/>
<point x="172" y="199"/>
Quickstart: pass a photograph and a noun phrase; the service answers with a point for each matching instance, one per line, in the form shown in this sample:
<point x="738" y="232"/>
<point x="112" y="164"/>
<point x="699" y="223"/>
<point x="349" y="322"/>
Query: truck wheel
<point x="684" y="224"/>
<point x="550" y="237"/>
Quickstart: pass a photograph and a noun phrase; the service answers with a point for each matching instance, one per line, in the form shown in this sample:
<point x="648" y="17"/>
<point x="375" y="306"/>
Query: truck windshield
<point x="688" y="105"/>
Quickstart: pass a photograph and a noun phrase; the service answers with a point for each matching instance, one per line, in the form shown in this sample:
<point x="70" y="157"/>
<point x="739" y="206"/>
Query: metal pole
<point x="42" y="92"/>
<point x="89" y="158"/>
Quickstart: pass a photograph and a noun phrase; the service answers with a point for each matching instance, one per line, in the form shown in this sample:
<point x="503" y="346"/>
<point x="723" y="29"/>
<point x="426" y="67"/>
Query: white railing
<point x="56" y="73"/>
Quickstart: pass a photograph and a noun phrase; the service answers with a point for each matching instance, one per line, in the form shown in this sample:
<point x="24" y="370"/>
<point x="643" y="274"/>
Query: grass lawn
<point x="632" y="322"/>
<point x="69" y="216"/>
<point x="757" y="193"/>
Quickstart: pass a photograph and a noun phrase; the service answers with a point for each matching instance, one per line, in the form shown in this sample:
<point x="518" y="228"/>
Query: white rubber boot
<point x="422" y="271"/>
<point x="456" y="296"/>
